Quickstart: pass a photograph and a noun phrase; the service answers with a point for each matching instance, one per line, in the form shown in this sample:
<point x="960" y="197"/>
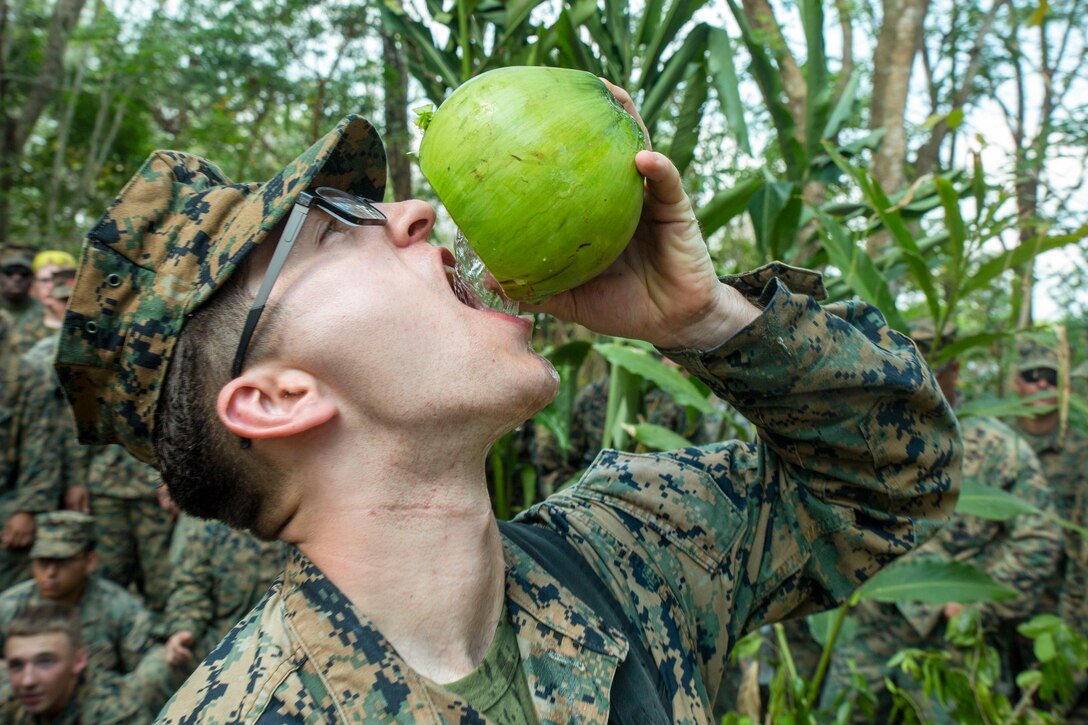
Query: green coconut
<point x="537" y="168"/>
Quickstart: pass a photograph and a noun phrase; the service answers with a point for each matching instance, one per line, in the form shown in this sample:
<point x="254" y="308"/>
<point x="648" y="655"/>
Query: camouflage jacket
<point x="114" y="472"/>
<point x="100" y="700"/>
<point x="221" y="575"/>
<point x="1020" y="553"/>
<point x="25" y="327"/>
<point x="855" y="465"/>
<point x="42" y="434"/>
<point x="1065" y="463"/>
<point x="116" y="627"/>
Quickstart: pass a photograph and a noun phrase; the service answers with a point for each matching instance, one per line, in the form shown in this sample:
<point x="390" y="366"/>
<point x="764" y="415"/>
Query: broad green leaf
<point x="859" y="270"/>
<point x="843" y="109"/>
<point x="624" y="392"/>
<point x="416" y="35"/>
<point x="682" y="148"/>
<point x="893" y="222"/>
<point x="723" y="75"/>
<point x="963" y="344"/>
<point x="1021" y="254"/>
<point x="648" y="22"/>
<point x="990" y="502"/>
<point x="954" y="118"/>
<point x="820" y="626"/>
<point x="953" y="222"/>
<point x="934" y="582"/>
<point x="677" y="14"/>
<point x="645" y="365"/>
<point x="770" y="84"/>
<point x="694" y="47"/>
<point x="656" y="437"/>
<point x="995" y="407"/>
<point x="727" y="204"/>
<point x="775" y="209"/>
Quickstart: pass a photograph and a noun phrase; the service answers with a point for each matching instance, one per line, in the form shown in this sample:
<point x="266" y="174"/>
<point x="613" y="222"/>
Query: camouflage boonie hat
<point x="61" y="534"/>
<point x="1033" y="353"/>
<point x="16" y="258"/>
<point x="174" y="235"/>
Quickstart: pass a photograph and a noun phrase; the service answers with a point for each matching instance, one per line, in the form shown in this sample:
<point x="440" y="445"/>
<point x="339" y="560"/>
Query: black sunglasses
<point x="352" y="210"/>
<point x="1034" y="375"/>
<point x="16" y="270"/>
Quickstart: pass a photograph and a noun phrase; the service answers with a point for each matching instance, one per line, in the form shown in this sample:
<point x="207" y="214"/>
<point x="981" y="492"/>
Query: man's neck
<point x="416" y="548"/>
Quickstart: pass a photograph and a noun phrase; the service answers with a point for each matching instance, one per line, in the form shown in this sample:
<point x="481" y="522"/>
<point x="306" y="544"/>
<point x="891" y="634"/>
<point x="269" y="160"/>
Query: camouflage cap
<point x="1034" y="353"/>
<point x="16" y="257"/>
<point x="174" y="235"/>
<point x="61" y="534"/>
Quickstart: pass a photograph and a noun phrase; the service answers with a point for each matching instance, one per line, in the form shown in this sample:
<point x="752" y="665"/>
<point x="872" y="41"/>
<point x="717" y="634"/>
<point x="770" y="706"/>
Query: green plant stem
<point x="784" y="650"/>
<point x="825" y="656"/>
<point x="466" y="42"/>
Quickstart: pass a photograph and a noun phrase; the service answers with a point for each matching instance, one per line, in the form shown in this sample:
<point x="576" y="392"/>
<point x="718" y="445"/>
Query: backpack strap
<point x="639" y="695"/>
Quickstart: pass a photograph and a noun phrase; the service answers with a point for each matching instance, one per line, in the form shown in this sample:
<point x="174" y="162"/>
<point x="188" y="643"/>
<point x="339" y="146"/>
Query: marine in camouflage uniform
<point x="97" y="700"/>
<point x="132" y="530"/>
<point x="1064" y="457"/>
<point x="65" y="691"/>
<point x="24" y="315"/>
<point x="221" y="575"/>
<point x="854" y="466"/>
<point x="1020" y="553"/>
<point x="116" y="626"/>
<point x="37" y="461"/>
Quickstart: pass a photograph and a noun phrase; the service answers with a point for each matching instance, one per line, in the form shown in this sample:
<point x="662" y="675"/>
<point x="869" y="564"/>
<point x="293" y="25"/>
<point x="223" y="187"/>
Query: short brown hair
<point x="202" y="463"/>
<point x="47" y="617"/>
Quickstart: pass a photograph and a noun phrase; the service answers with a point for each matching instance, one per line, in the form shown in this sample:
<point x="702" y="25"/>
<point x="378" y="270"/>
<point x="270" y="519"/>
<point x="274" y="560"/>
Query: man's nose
<point x="408" y="222"/>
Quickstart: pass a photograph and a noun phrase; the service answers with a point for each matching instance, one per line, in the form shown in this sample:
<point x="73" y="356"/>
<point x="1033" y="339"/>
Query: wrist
<point x="728" y="313"/>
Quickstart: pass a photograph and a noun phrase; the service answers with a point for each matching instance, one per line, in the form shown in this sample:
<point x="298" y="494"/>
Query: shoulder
<point x="251" y="669"/>
<point x="110" y="701"/>
<point x="18" y="595"/>
<point x="106" y="596"/>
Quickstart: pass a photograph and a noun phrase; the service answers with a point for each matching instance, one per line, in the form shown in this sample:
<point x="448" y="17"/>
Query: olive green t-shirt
<point x="497" y="688"/>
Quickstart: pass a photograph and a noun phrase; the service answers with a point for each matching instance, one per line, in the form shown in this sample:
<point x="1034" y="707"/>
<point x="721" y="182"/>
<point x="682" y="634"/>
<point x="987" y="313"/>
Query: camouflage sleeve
<point x="191" y="584"/>
<point x="42" y="419"/>
<point x="136" y="632"/>
<point x="1073" y="600"/>
<point x="1026" y="558"/>
<point x="854" y="466"/>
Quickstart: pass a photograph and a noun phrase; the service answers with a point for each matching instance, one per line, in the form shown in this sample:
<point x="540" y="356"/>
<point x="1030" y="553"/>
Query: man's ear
<point x="273" y="403"/>
<point x="79" y="662"/>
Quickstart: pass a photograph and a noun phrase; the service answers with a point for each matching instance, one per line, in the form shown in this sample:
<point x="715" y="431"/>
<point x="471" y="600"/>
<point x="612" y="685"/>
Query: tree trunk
<point x="897" y="44"/>
<point x="19" y="125"/>
<point x="395" y="79"/>
<point x="761" y="18"/>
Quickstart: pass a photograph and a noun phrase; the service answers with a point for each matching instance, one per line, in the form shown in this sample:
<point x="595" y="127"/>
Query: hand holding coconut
<point x="543" y="170"/>
<point x="662" y="288"/>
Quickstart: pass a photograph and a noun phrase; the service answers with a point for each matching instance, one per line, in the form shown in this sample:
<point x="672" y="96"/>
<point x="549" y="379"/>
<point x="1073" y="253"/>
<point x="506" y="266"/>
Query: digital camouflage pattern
<point x="176" y="232"/>
<point x="62" y="534"/>
<point x="1020" y="553"/>
<point x="32" y="478"/>
<point x="855" y="465"/>
<point x="222" y="574"/>
<point x="1064" y="457"/>
<point x="97" y="700"/>
<point x="116" y="627"/>
<point x="132" y="529"/>
<point x="25" y="326"/>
